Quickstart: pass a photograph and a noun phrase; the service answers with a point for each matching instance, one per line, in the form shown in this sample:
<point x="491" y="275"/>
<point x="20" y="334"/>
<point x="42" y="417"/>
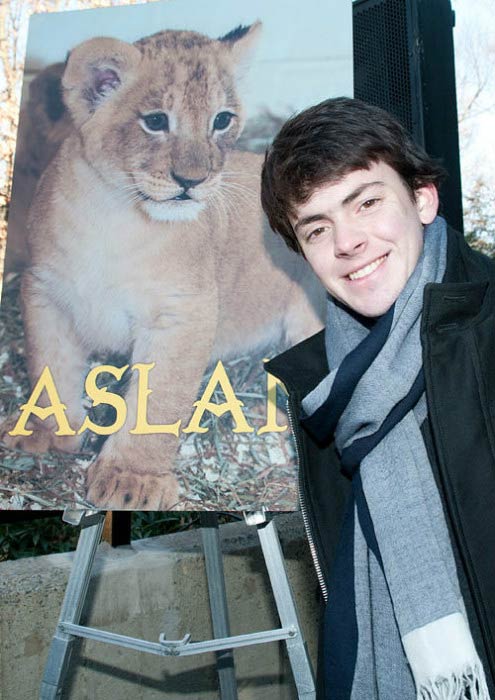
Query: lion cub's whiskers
<point x="240" y="173"/>
<point x="218" y="205"/>
<point x="238" y="191"/>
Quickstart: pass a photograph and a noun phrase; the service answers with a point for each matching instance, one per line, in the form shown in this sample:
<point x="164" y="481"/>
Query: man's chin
<point x="172" y="210"/>
<point x="370" y="308"/>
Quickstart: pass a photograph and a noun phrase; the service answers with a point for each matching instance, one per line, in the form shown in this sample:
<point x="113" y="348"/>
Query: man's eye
<point x="158" y="121"/>
<point x="222" y="121"/>
<point x="316" y="232"/>
<point x="369" y="203"/>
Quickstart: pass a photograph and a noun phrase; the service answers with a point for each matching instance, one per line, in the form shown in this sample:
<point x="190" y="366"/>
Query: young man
<point x="396" y="399"/>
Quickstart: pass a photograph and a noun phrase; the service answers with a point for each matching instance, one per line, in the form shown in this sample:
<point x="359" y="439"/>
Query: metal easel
<point x="68" y="627"/>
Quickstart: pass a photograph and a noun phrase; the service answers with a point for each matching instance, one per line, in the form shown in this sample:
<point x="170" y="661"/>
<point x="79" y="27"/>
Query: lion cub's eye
<point x="222" y="121"/>
<point x="158" y="121"/>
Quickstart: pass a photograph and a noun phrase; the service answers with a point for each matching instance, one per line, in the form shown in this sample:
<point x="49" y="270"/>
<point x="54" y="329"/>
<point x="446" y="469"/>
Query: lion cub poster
<point x="143" y="287"/>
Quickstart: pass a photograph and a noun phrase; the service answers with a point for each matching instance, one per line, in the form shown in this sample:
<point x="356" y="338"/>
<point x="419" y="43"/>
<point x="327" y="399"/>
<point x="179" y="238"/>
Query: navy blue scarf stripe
<point x="365" y="518"/>
<point x="353" y="455"/>
<point x="322" y="423"/>
<point x="340" y="631"/>
<point x="340" y="636"/>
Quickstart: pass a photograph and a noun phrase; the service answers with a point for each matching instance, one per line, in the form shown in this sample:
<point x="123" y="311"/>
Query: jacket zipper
<point x="304" y="511"/>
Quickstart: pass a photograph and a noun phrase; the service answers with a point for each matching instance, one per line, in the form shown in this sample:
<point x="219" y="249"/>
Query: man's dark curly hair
<point x="325" y="143"/>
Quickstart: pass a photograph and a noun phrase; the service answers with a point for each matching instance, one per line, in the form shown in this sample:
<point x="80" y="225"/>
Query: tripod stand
<point x="68" y="627"/>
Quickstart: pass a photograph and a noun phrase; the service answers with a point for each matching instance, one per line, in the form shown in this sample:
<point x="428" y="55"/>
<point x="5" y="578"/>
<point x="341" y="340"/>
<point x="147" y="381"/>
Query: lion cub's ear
<point x="241" y="41"/>
<point x="95" y="70"/>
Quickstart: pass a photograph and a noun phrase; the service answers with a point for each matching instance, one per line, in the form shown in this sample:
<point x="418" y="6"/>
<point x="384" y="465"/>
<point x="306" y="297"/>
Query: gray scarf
<point x="409" y="609"/>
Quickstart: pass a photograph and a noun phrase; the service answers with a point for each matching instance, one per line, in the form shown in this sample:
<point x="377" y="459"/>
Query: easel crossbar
<point x="182" y="647"/>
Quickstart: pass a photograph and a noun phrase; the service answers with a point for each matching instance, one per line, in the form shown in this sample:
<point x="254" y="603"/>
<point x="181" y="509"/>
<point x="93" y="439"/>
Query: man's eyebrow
<point x="308" y="220"/>
<point x="359" y="191"/>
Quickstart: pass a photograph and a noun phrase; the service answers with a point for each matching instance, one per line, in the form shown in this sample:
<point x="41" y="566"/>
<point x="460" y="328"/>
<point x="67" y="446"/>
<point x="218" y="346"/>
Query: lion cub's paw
<point x="40" y="441"/>
<point x="122" y="488"/>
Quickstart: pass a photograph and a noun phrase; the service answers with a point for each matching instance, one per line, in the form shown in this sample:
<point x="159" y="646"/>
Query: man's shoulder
<point x="465" y="263"/>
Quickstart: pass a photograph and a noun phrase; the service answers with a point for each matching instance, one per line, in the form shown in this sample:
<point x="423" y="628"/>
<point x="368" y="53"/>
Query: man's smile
<point x="367" y="269"/>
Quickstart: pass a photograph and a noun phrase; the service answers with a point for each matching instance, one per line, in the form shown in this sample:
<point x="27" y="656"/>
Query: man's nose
<point x="349" y="240"/>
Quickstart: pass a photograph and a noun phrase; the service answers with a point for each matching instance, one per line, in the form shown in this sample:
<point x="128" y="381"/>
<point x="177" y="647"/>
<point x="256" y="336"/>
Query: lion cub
<point x="146" y="237"/>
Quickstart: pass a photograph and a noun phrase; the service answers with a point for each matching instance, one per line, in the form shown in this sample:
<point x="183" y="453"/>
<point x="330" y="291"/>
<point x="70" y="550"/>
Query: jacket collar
<point x="456" y="301"/>
<point x="462" y="295"/>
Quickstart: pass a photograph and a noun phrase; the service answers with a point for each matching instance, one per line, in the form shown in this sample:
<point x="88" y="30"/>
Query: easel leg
<point x="75" y="594"/>
<point x="218" y="603"/>
<point x="296" y="647"/>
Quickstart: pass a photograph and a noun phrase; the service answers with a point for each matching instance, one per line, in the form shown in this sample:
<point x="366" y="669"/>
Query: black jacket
<point x="458" y="341"/>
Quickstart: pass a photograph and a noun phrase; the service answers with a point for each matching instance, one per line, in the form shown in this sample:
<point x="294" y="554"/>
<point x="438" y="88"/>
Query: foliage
<point x="43" y="536"/>
<point x="479" y="217"/>
<point x="51" y="535"/>
<point x="151" y="523"/>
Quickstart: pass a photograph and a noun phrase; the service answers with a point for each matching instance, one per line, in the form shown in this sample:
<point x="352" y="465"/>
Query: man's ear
<point x="427" y="202"/>
<point x="95" y="70"/>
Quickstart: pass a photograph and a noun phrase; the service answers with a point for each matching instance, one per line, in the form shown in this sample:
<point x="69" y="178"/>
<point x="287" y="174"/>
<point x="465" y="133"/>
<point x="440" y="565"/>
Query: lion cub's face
<point x="157" y="117"/>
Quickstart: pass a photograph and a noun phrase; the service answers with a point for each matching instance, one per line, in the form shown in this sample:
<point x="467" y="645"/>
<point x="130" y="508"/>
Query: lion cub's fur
<point x="153" y="242"/>
<point x="43" y="124"/>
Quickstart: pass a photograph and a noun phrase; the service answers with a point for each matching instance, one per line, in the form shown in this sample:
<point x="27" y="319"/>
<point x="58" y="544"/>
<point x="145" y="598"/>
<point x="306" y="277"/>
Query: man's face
<point x="363" y="235"/>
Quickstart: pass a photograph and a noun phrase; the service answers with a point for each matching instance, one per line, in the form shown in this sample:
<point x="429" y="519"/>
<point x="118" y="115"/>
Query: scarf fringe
<point x="472" y="679"/>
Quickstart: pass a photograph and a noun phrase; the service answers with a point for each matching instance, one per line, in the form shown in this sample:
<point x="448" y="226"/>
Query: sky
<point x="474" y="38"/>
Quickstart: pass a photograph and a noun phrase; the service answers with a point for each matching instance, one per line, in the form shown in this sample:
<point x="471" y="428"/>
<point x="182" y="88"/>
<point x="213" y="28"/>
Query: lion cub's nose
<point x="185" y="182"/>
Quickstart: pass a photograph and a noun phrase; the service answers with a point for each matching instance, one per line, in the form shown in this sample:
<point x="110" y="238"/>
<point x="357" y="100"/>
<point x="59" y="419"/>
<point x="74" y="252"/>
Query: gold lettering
<point x="142" y="425"/>
<point x="55" y="408"/>
<point x="231" y="404"/>
<point x="271" y="425"/>
<point x="101" y="395"/>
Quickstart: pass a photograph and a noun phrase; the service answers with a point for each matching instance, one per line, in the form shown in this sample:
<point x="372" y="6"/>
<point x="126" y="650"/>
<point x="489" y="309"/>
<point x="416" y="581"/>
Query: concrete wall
<point x="153" y="586"/>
